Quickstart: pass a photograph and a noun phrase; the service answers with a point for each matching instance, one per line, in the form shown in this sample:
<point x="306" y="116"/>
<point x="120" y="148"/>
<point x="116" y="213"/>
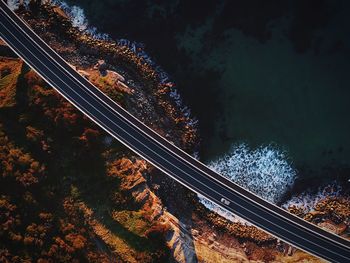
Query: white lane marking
<point x="191" y="165"/>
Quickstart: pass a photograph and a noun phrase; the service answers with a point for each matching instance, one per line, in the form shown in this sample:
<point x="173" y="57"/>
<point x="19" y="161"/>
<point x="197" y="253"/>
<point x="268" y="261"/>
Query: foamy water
<point x="266" y="170"/>
<point x="75" y="13"/>
<point x="79" y="20"/>
<point x="307" y="200"/>
<point x="14" y="4"/>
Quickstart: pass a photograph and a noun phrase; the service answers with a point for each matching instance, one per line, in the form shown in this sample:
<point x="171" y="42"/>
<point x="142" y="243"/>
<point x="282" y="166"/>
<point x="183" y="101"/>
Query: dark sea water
<point x="258" y="72"/>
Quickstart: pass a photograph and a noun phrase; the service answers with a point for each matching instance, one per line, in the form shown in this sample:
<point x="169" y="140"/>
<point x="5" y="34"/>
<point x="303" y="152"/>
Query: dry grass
<point x="10" y="69"/>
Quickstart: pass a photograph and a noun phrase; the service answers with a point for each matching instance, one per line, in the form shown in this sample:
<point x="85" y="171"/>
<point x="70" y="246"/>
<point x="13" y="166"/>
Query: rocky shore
<point x="330" y="213"/>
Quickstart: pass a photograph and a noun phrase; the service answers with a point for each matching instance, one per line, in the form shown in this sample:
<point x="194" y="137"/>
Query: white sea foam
<point x="77" y="17"/>
<point x="308" y="199"/>
<point x="265" y="171"/>
<point x="75" y="13"/>
<point x="13" y="4"/>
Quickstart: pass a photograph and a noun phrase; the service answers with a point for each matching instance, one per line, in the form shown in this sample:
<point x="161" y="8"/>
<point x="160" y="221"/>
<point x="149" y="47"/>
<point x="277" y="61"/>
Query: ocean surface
<point x="268" y="79"/>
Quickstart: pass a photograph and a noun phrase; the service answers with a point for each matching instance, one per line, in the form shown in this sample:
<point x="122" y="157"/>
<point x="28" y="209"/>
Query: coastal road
<point x="161" y="153"/>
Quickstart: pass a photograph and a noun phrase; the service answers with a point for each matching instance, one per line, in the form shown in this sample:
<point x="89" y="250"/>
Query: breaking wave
<point x="308" y="199"/>
<point x="75" y="13"/>
<point x="77" y="16"/>
<point x="266" y="170"/>
<point x="14" y="4"/>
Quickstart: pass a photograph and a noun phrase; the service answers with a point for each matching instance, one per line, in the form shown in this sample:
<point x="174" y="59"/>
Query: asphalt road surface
<point x="161" y="153"/>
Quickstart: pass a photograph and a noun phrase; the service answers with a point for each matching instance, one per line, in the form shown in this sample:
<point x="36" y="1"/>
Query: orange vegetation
<point x="10" y="68"/>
